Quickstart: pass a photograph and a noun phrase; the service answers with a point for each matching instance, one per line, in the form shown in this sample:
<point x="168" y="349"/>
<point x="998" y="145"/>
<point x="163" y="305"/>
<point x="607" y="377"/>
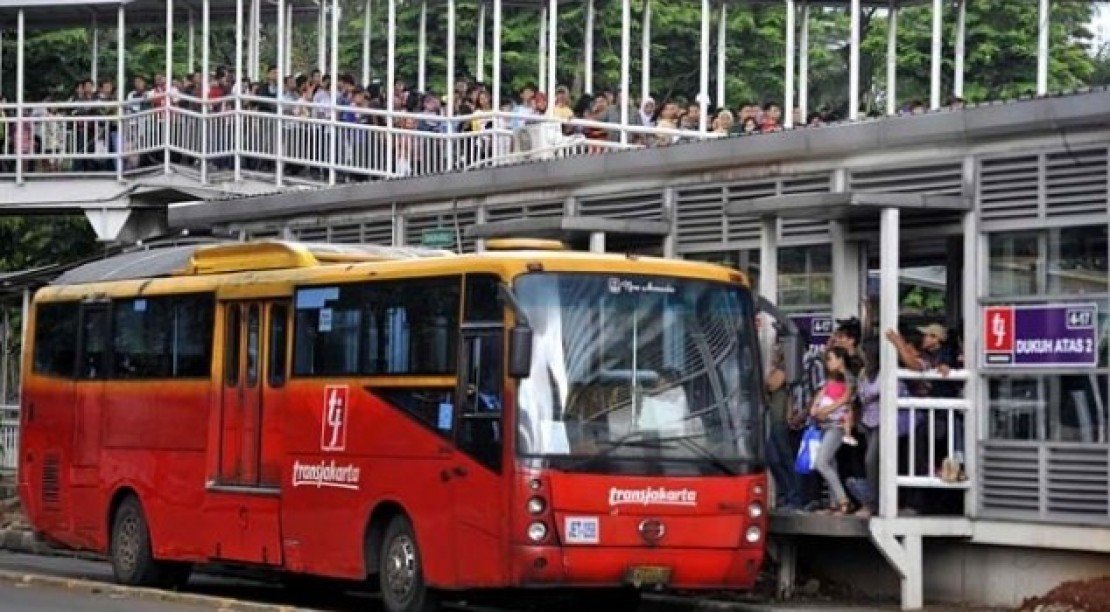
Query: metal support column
<point x="803" y="64"/>
<point x="480" y="52"/>
<point x="391" y="83"/>
<point x="321" y="40"/>
<point x="853" y="62"/>
<point x="422" y="49"/>
<point x="26" y="312"/>
<point x="722" y="54"/>
<point x="450" y="161"/>
<point x="768" y="278"/>
<point x="1042" y="47"/>
<point x="191" y="53"/>
<point x="541" y="69"/>
<point x="597" y="242"/>
<point x="252" y="41"/>
<point x="622" y="99"/>
<point x="20" y="40"/>
<point x="788" y="80"/>
<point x="121" y="57"/>
<point x="168" y="103"/>
<point x="495" y="96"/>
<point x="282" y="67"/>
<point x="645" y="53"/>
<point x="588" y="60"/>
<point x="892" y="59"/>
<point x="934" y="81"/>
<point x="961" y="35"/>
<point x="333" y="129"/>
<point x="289" y="36"/>
<point x="238" y="91"/>
<point x="552" y="53"/>
<point x="703" y="83"/>
<point x="888" y="362"/>
<point x="94" y="67"/>
<point x="366" y="21"/>
<point x="972" y="289"/>
<point x="205" y="14"/>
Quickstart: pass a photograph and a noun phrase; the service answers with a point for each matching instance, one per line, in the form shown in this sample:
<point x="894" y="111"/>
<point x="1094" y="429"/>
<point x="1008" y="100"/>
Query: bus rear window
<point x="390" y="327"/>
<point x="55" y="339"/>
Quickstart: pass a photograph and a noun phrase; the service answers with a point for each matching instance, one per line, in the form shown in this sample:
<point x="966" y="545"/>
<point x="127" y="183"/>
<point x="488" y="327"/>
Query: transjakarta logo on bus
<point x="333" y="426"/>
<point x="649" y="496"/>
<point x="326" y="474"/>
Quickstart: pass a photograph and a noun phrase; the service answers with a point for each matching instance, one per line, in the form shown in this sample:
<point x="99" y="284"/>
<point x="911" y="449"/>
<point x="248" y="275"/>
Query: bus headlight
<point x="537" y="531"/>
<point x="536" y="505"/>
<point x="755" y="510"/>
<point x="753" y="534"/>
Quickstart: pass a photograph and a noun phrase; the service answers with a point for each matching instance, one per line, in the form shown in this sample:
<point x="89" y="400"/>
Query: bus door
<point x="244" y="502"/>
<point x="88" y="405"/>
<point x="478" y="489"/>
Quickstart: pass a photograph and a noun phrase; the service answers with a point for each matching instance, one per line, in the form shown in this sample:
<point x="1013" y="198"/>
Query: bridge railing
<point x="291" y="139"/>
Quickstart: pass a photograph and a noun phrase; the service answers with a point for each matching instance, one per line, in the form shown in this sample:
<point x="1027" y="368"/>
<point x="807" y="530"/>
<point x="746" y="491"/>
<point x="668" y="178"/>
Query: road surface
<point x="83" y="585"/>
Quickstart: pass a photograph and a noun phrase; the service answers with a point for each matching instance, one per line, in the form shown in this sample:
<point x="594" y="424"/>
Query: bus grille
<point x="51" y="480"/>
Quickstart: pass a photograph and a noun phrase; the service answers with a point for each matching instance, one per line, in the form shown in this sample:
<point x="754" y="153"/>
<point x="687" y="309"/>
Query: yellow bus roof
<point x="273" y="268"/>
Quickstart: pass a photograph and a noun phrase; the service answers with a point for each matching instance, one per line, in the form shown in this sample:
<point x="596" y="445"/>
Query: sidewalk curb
<point x="103" y="588"/>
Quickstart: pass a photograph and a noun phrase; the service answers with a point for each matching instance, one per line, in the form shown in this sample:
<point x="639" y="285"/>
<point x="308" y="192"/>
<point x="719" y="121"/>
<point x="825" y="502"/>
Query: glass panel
<point x="638" y="368"/>
<point x="1059" y="408"/>
<point x="55" y="339"/>
<point x="254" y="326"/>
<point x="279" y="315"/>
<point x="162" y="337"/>
<point x="1014" y="264"/>
<point x="231" y="346"/>
<point x="396" y="327"/>
<point x="805" y="279"/>
<point x="482" y="303"/>
<point x="1077" y="260"/>
<point x="94" y="350"/>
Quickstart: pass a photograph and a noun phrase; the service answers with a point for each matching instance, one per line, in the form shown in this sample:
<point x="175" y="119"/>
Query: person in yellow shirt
<point x="562" y="110"/>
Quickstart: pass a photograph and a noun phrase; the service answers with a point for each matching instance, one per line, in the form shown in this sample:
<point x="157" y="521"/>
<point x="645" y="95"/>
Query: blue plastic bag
<point x="807" y="450"/>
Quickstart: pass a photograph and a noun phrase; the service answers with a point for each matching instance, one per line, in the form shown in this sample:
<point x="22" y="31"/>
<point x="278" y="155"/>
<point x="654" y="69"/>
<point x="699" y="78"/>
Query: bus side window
<point x="279" y="326"/>
<point x="55" y="339"/>
<point x="94" y="342"/>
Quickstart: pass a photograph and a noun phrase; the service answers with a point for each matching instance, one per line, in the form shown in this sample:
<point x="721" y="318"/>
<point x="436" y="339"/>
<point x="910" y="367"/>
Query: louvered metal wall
<point x="645" y="205"/>
<point x="1057" y="482"/>
<point x="535" y="210"/>
<point x="415" y="224"/>
<point x="702" y="225"/>
<point x="1055" y="185"/>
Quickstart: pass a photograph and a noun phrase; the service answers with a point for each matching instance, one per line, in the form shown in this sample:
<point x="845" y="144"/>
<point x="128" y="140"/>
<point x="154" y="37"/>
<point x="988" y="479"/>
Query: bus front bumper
<point x="678" y="568"/>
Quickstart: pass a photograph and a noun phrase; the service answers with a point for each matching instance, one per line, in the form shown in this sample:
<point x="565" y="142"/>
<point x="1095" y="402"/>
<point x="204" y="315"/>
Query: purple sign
<point x="818" y="327"/>
<point x="1041" y="335"/>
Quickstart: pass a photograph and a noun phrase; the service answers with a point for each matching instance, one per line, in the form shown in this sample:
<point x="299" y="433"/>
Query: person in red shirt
<point x="772" y="118"/>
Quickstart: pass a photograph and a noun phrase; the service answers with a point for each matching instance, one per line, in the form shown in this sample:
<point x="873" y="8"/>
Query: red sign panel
<point x="998" y="329"/>
<point x="333" y="426"/>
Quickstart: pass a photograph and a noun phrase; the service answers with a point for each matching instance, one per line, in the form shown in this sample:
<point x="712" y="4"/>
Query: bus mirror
<point x="520" y="351"/>
<point x="792" y="358"/>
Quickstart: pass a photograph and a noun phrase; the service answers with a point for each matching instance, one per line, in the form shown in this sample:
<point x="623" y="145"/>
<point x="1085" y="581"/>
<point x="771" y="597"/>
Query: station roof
<point x="844" y="205"/>
<point x="568" y="228"/>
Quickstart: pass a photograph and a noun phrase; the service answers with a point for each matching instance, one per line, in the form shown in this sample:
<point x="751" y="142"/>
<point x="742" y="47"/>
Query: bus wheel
<point x="132" y="560"/>
<point x="400" y="572"/>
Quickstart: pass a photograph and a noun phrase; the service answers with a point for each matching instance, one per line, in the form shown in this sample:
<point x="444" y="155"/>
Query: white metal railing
<point x="286" y="138"/>
<point x="938" y="424"/>
<point x="9" y="437"/>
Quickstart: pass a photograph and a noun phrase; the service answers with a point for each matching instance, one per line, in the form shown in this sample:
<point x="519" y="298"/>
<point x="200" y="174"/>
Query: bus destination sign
<point x="1053" y="335"/>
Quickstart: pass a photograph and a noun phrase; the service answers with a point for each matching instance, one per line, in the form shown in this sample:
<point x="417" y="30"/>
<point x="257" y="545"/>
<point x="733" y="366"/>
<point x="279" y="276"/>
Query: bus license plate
<point x="649" y="575"/>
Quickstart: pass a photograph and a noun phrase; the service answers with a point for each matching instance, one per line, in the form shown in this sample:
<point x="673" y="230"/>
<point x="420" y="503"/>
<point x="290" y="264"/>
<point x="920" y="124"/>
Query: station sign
<point x="437" y="238"/>
<point x="817" y="326"/>
<point x="1041" y="335"/>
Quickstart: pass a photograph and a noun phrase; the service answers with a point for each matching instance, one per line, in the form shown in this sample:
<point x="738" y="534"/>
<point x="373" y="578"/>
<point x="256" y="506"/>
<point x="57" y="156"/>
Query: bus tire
<point x="133" y="562"/>
<point x="400" y="571"/>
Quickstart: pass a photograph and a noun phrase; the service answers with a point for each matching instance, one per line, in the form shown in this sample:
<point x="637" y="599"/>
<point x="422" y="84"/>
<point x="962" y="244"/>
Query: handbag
<point x="807" y="451"/>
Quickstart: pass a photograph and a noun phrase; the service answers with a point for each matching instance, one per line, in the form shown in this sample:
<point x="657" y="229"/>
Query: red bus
<point x="427" y="421"/>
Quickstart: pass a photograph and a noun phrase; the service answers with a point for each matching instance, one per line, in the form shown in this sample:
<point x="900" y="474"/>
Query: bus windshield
<point x="643" y="369"/>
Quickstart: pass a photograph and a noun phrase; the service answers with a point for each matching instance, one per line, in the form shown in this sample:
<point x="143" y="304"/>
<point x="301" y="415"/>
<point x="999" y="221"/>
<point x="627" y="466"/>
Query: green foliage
<point x="30" y="242"/>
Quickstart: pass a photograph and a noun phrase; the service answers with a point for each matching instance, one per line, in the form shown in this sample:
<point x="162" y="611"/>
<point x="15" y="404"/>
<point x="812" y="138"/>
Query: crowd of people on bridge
<point x="839" y="397"/>
<point x="103" y="133"/>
